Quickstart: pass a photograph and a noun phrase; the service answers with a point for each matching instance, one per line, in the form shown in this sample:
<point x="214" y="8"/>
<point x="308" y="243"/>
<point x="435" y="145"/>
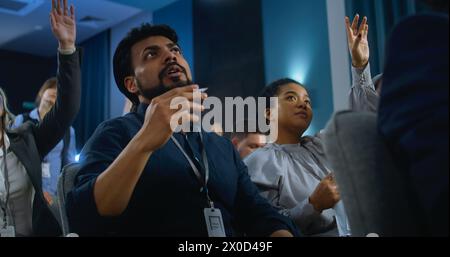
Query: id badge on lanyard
<point x="214" y="222"/>
<point x="213" y="216"/>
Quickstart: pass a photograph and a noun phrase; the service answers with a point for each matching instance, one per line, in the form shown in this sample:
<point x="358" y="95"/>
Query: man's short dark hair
<point x="122" y="64"/>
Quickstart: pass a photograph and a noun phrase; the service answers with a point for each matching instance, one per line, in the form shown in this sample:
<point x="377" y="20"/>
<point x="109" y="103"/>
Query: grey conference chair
<point x="374" y="193"/>
<point x="65" y="184"/>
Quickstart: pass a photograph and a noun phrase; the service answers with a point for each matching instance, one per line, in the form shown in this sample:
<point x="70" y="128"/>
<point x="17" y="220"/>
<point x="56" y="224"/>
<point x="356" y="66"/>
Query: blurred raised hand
<point x="357" y="41"/>
<point x="63" y="24"/>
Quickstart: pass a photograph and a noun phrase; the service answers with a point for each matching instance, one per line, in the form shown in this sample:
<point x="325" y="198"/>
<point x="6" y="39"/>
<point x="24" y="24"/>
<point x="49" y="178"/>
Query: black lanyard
<point x="203" y="182"/>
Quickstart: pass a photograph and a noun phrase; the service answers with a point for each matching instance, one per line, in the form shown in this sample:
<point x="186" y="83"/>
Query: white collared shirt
<point x="21" y="192"/>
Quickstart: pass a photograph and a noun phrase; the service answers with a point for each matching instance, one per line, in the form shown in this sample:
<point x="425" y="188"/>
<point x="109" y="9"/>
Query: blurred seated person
<point x="248" y="141"/>
<point x="63" y="153"/>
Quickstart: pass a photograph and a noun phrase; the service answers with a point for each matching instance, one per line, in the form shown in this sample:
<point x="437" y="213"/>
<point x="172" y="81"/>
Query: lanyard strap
<point x="203" y="182"/>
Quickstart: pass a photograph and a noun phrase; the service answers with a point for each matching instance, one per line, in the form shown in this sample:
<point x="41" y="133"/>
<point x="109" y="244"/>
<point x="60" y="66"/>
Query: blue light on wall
<point x="299" y="70"/>
<point x="178" y="15"/>
<point x="311" y="131"/>
<point x="296" y="45"/>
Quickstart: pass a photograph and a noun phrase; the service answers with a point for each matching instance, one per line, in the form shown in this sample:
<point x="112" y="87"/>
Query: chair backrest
<point x="374" y="193"/>
<point x="65" y="184"/>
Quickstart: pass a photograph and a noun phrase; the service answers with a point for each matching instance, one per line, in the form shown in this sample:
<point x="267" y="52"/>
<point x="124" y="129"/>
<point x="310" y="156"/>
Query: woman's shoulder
<point x="271" y="155"/>
<point x="262" y="152"/>
<point x="265" y="165"/>
<point x="313" y="143"/>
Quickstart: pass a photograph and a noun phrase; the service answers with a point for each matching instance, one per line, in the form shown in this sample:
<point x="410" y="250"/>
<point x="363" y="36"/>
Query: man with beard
<point x="139" y="178"/>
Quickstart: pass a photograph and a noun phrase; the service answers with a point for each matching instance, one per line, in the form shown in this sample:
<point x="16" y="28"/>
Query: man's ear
<point x="131" y="84"/>
<point x="267" y="114"/>
<point x="235" y="141"/>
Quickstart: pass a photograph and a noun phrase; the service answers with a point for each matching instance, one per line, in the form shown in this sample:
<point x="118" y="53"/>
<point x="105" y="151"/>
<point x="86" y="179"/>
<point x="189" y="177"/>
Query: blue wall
<point x="296" y="45"/>
<point x="229" y="57"/>
<point x="117" y="99"/>
<point x="179" y="16"/>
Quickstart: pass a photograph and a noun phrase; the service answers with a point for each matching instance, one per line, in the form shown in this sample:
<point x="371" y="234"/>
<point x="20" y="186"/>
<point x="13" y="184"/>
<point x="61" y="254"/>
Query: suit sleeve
<point x="58" y="120"/>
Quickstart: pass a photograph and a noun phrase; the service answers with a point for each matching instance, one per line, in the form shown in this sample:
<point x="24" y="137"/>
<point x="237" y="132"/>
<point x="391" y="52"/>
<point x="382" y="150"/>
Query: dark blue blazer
<point x="413" y="114"/>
